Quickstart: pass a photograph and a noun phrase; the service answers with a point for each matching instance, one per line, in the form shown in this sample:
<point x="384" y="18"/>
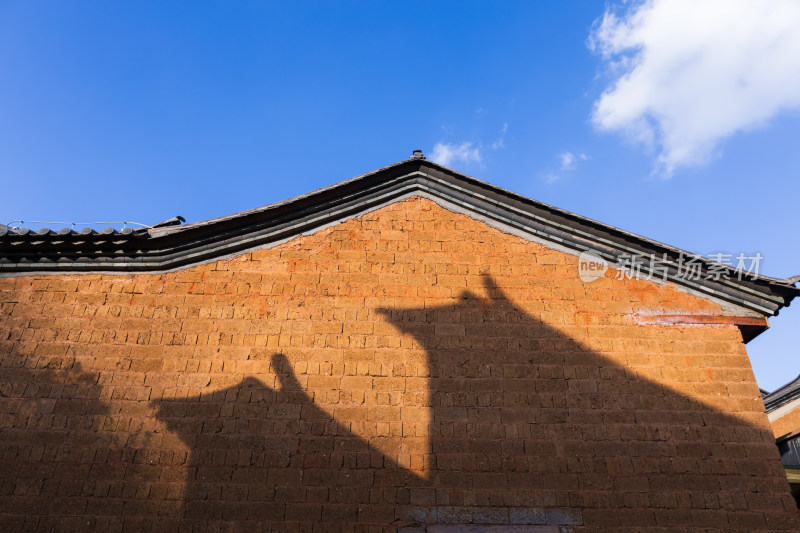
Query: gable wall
<point x="785" y="419"/>
<point x="411" y="366"/>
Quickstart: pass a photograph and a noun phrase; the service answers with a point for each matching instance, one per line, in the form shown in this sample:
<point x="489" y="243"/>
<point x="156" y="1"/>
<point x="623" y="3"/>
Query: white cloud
<point x="466" y="152"/>
<point x="689" y="73"/>
<point x="569" y="160"/>
<point x="446" y="153"/>
<point x="567" y="163"/>
<point x="501" y="141"/>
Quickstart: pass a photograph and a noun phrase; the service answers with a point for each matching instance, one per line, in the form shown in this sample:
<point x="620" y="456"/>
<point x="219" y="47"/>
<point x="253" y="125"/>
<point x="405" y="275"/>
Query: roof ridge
<point x="279" y="203"/>
<point x="175" y="246"/>
<point x="782" y="395"/>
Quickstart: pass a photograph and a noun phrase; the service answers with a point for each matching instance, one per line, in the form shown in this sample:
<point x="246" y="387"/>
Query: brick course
<point x="408" y="367"/>
<point x="787" y="423"/>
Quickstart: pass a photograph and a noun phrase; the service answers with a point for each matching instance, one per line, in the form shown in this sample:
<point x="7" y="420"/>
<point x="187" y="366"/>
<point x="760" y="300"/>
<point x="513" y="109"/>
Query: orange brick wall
<point x="787" y="423"/>
<point x="409" y="367"/>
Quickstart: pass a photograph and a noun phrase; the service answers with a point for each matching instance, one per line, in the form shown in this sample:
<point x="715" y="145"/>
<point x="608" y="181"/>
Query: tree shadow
<point x="72" y="459"/>
<point x="51" y="413"/>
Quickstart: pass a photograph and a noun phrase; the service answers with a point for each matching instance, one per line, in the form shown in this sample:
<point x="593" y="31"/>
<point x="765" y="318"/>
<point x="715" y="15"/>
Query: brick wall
<point x="409" y="367"/>
<point x="787" y="423"/>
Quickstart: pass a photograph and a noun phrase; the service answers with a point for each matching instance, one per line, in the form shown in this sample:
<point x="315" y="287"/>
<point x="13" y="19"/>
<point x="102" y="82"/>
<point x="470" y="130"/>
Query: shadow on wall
<point x="527" y="427"/>
<point x="71" y="459"/>
<point x="279" y="456"/>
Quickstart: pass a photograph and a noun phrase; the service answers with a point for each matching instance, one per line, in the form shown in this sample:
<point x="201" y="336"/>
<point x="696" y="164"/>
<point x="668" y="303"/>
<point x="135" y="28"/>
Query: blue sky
<point x="676" y="120"/>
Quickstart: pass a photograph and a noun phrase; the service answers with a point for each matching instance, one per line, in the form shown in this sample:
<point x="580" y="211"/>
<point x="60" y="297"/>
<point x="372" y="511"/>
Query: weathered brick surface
<point x="787" y="423"/>
<point x="409" y="367"/>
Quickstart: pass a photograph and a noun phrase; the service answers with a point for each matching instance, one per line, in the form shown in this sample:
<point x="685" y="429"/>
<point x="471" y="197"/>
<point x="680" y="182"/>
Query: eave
<point x="172" y="247"/>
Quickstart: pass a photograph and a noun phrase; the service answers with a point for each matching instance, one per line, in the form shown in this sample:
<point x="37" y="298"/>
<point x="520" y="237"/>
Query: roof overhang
<point x="167" y="248"/>
<point x="779" y="402"/>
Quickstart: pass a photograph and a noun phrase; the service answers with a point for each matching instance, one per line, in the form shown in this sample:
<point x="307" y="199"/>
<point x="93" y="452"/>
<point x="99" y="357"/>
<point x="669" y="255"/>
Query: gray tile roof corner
<point x="170" y="245"/>
<point x="782" y="396"/>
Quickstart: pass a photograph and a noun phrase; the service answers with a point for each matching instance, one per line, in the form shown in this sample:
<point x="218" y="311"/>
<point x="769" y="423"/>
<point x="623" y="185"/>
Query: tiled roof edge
<point x="167" y="248"/>
<point x="782" y="396"/>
